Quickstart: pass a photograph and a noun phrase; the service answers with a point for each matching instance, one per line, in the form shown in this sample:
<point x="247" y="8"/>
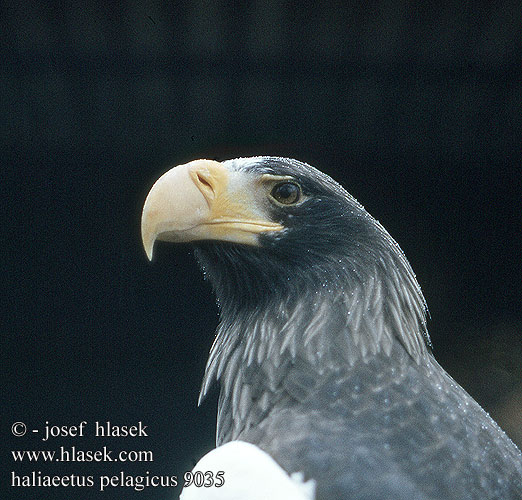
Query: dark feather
<point x="323" y="359"/>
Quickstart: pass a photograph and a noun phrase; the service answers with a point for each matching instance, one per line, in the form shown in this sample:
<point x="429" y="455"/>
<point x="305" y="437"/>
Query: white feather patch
<point x="249" y="474"/>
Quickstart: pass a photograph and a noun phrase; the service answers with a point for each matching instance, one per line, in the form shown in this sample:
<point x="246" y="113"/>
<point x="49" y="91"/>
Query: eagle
<point x="322" y="355"/>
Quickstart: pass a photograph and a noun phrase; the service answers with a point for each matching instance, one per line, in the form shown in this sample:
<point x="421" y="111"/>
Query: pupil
<point x="287" y="190"/>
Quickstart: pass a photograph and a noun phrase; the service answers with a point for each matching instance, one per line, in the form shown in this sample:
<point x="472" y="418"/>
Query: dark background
<point x="415" y="109"/>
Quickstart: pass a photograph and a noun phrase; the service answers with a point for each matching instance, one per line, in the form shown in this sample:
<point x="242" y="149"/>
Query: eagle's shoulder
<point x="247" y="473"/>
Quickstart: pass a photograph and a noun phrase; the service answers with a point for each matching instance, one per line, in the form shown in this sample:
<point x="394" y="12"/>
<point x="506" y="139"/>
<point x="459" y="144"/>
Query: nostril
<point x="204" y="181"/>
<point x="205" y="185"/>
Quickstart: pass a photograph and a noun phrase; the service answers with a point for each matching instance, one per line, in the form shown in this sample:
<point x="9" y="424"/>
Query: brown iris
<point x="286" y="193"/>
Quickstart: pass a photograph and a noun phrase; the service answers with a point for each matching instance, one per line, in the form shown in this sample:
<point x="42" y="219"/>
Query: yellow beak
<point x="203" y="200"/>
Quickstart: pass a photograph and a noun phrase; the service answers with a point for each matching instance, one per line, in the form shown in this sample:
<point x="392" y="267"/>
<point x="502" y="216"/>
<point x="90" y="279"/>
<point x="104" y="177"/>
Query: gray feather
<point x="332" y="373"/>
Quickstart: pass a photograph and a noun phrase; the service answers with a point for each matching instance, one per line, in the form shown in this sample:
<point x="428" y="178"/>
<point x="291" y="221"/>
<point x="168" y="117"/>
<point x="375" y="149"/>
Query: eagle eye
<point x="286" y="193"/>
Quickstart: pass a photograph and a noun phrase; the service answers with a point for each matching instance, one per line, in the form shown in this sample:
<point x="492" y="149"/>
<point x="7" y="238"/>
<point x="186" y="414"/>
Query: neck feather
<point x="340" y="317"/>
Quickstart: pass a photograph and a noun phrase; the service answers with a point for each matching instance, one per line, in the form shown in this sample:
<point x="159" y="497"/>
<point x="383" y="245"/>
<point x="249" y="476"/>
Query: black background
<point x="415" y="109"/>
